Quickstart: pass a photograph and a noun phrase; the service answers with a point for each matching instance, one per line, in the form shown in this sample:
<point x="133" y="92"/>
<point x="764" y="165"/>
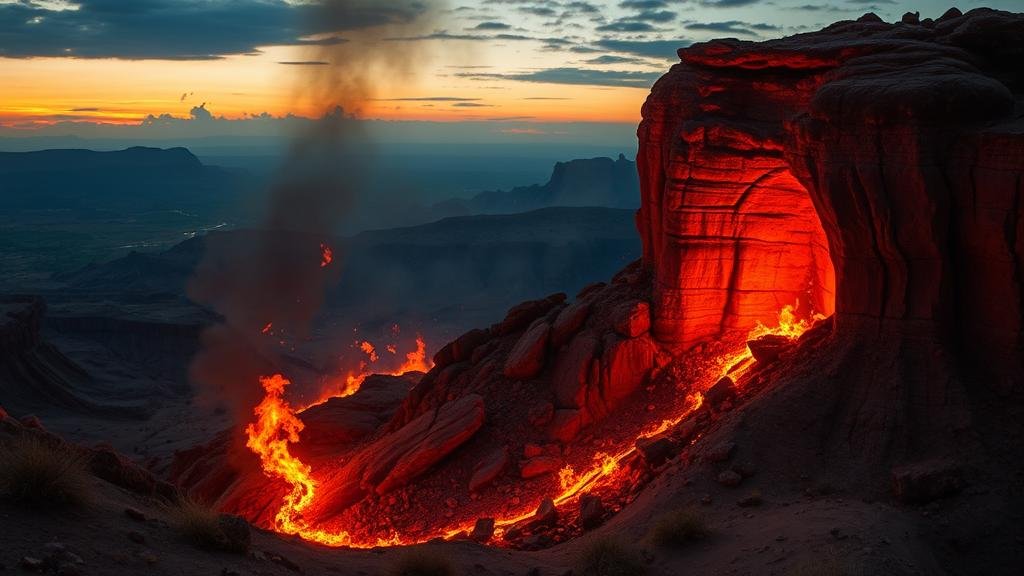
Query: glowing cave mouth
<point x="614" y="471"/>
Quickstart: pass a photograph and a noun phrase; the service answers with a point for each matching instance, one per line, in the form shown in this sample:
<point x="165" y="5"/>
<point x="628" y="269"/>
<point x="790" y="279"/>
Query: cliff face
<point x="891" y="152"/>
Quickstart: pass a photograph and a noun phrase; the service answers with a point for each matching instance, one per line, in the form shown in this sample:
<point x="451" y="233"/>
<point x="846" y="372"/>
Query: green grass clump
<point x="680" y="528"/>
<point x="43" y="475"/>
<point x="608" y="557"/>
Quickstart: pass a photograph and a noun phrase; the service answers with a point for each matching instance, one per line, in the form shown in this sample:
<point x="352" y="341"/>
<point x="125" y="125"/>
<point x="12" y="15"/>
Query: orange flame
<point x="326" y="255"/>
<point x="277" y="426"/>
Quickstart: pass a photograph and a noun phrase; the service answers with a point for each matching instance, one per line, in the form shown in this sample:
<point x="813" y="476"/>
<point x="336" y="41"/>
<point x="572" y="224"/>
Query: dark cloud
<point x="728" y="3"/>
<point x="578" y="76"/>
<point x="654" y="16"/>
<point x="179" y="29"/>
<point x="625" y="26"/>
<point x="613" y="59"/>
<point x="870" y="2"/>
<point x="472" y="105"/>
<point x="732" y="27"/>
<point x="643" y="4"/>
<point x="665" y="49"/>
<point x="492" y="26"/>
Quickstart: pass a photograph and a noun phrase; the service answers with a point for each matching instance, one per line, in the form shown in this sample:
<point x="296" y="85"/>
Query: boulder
<point x="767" y="348"/>
<point x="488" y="469"/>
<point x="539" y="466"/>
<point x="483" y="530"/>
<point x="631" y="319"/>
<point x="922" y="482"/>
<point x="526" y="359"/>
<point x="591" y="511"/>
<point x="625" y="364"/>
<point x="546" y="514"/>
<point x="568" y="322"/>
<point x="724" y="389"/>
<point x="572" y="371"/>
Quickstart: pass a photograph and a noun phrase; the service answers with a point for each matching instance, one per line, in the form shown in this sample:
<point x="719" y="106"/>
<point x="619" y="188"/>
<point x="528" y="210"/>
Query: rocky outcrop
<point x="893" y="152"/>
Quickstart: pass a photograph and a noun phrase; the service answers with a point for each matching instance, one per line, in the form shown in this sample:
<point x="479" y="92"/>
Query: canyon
<point x="827" y="315"/>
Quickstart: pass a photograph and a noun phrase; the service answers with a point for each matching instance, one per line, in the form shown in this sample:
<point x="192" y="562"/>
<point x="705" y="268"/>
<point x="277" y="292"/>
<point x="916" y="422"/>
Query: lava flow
<point x="415" y="361"/>
<point x="278" y="426"/>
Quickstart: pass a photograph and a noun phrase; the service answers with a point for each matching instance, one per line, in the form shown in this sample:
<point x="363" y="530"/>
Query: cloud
<point x="665" y="49"/>
<point x="643" y="4"/>
<point x="727" y="3"/>
<point x="472" y="105"/>
<point x="179" y="29"/>
<point x="305" y="63"/>
<point x="625" y="26"/>
<point x="492" y="26"/>
<point x="613" y="59"/>
<point x="733" y="27"/>
<point x="200" y="113"/>
<point x="577" y="76"/>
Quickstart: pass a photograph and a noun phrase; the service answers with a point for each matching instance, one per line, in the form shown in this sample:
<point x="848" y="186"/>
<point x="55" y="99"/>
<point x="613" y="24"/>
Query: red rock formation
<point x="900" y="139"/>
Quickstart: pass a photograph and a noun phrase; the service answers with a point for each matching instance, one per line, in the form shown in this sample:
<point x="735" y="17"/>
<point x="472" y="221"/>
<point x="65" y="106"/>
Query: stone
<point x="522" y="315"/>
<point x="569" y="322"/>
<point x="32" y="564"/>
<point x="488" y="469"/>
<point x="566" y="425"/>
<point x="571" y="376"/>
<point x="729" y="478"/>
<point x="546" y="514"/>
<point x="136" y="537"/>
<point x="134" y="514"/>
<point x="625" y="364"/>
<point x="591" y="511"/>
<point x="632" y="319"/>
<point x="724" y="389"/>
<point x="720" y="452"/>
<point x="769" y="347"/>
<point x="237" y="536"/>
<point x="460" y="349"/>
<point x="526" y="359"/>
<point x="923" y="482"/>
<point x="539" y="466"/>
<point x="752" y="499"/>
<point x="911" y="18"/>
<point x="657" y="450"/>
<point x="483" y="530"/>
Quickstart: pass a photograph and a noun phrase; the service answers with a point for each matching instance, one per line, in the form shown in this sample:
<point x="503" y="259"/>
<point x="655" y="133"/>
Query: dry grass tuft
<point x="608" y="557"/>
<point x="423" y="562"/>
<point x="679" y="528"/>
<point x="197" y="523"/>
<point x="41" y="475"/>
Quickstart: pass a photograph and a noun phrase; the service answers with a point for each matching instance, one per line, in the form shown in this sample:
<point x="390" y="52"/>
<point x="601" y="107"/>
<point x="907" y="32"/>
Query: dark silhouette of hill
<point x="584" y="182"/>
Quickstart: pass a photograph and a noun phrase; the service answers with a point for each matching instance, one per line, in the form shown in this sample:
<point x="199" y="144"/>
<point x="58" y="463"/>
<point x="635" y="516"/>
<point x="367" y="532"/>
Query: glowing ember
<point x="326" y="255"/>
<point x="736" y="364"/>
<point x="267" y="328"/>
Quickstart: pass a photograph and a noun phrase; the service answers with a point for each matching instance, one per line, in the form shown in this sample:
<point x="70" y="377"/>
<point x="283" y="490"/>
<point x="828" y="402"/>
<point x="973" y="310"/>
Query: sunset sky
<point x="78" y="63"/>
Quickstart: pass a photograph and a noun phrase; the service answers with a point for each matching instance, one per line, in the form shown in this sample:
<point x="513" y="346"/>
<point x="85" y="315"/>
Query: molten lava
<point x="277" y="427"/>
<point x="415" y="361"/>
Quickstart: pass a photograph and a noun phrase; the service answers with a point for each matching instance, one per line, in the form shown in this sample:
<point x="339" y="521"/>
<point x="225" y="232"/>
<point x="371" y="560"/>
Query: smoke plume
<point x="268" y="284"/>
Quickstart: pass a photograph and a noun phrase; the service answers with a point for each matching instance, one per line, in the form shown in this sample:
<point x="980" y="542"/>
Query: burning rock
<point x="723" y="390"/>
<point x="767" y="348"/>
<point x="527" y="357"/>
<point x="631" y="319"/>
<point x="546" y="514"/>
<point x="539" y="466"/>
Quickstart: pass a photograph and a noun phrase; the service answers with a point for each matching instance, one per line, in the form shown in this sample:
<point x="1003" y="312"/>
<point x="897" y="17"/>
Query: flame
<point x="789" y="325"/>
<point x="326" y="255"/>
<point x="277" y="426"/>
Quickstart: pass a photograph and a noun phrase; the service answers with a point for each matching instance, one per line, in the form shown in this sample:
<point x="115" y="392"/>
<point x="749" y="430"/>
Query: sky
<point x="517" y="66"/>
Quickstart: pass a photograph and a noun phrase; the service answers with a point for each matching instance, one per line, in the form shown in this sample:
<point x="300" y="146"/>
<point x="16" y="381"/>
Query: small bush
<point x="423" y="563"/>
<point x="679" y="528"/>
<point x="198" y="524"/>
<point x="609" y="558"/>
<point x="38" y="474"/>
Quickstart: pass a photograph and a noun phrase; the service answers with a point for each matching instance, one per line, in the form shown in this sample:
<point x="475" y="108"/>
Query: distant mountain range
<point x="587" y="182"/>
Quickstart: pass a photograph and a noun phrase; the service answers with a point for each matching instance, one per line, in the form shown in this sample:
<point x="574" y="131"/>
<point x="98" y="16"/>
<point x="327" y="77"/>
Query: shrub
<point x="197" y="524"/>
<point x="40" y="474"/>
<point x="423" y="563"/>
<point x="608" y="557"/>
<point x="679" y="528"/>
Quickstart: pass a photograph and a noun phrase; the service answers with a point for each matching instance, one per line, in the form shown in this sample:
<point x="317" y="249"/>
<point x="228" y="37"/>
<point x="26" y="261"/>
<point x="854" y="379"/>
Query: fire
<point x="789" y="325"/>
<point x="326" y="255"/>
<point x="277" y="426"/>
<point x="349" y="384"/>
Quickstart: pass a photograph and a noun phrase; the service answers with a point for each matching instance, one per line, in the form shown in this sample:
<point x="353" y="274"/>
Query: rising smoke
<point x="267" y="284"/>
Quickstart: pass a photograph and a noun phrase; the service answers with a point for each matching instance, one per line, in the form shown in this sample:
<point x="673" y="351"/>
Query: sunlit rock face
<point x="894" y="149"/>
